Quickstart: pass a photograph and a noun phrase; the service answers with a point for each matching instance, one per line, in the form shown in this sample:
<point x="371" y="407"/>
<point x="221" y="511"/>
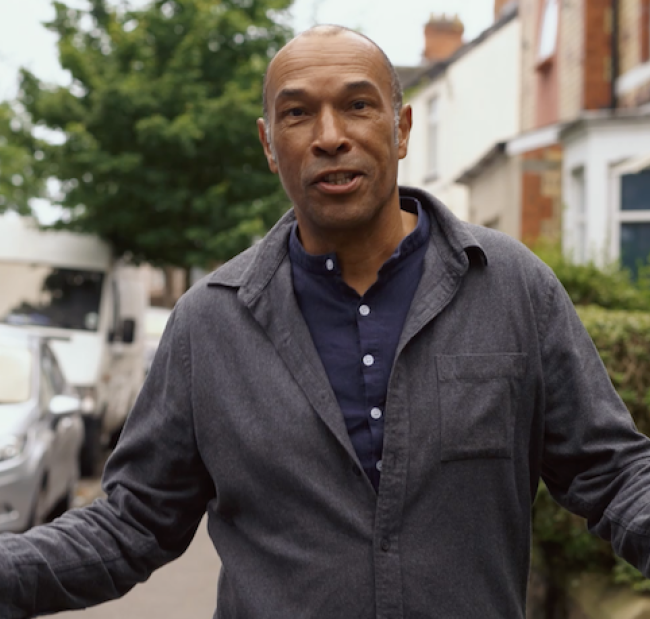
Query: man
<point x="363" y="402"/>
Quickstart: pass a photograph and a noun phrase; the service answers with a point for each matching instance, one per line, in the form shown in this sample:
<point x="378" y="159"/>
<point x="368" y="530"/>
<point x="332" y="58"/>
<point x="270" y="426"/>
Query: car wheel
<point x="91" y="450"/>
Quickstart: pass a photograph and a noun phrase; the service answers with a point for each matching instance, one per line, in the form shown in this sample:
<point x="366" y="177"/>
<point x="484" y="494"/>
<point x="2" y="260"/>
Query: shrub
<point x="609" y="286"/>
<point x="615" y="309"/>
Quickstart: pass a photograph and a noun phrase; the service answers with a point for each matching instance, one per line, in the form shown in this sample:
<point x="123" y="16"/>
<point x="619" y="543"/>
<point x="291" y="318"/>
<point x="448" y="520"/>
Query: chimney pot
<point x="443" y="35"/>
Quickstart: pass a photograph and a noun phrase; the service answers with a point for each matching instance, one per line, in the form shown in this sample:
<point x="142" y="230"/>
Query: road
<point x="185" y="588"/>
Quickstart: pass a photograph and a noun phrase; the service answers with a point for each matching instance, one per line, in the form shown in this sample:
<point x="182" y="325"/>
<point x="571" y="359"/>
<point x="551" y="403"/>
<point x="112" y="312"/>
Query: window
<point x="548" y="32"/>
<point x="635" y="219"/>
<point x="578" y="189"/>
<point x="46" y="296"/>
<point x="15" y="372"/>
<point x="433" y="121"/>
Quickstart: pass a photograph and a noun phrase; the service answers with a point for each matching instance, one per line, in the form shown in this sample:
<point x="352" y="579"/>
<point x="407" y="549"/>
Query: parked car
<point x="69" y="288"/>
<point x="41" y="432"/>
<point x="155" y="321"/>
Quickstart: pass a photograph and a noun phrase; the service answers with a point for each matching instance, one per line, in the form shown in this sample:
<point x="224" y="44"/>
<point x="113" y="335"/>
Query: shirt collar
<point x="324" y="264"/>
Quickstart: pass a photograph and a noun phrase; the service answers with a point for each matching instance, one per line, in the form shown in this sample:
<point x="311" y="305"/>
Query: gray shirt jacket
<point x="495" y="383"/>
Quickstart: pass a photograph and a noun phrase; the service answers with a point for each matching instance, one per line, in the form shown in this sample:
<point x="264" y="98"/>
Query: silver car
<point x="41" y="432"/>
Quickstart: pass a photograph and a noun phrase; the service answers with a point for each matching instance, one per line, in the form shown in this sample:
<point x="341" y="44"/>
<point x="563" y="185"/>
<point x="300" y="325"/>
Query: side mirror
<point x="128" y="330"/>
<point x="64" y="405"/>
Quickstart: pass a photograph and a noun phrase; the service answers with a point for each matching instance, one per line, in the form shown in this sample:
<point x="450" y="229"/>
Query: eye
<point x="359" y="105"/>
<point x="294" y="112"/>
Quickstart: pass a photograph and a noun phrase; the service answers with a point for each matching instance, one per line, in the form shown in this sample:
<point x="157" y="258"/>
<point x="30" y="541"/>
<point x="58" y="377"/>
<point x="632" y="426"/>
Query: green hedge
<point x="616" y="312"/>
<point x="606" y="286"/>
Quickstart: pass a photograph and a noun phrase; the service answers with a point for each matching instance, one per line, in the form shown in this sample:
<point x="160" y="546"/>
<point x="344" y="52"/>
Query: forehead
<point x="327" y="61"/>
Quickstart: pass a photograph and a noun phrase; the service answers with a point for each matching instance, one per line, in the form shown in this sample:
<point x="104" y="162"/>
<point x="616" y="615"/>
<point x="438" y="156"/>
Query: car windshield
<point x="15" y="372"/>
<point x="46" y="296"/>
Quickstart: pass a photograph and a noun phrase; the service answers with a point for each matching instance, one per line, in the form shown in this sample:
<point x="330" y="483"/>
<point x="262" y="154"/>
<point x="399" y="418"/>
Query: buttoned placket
<point x="374" y="411"/>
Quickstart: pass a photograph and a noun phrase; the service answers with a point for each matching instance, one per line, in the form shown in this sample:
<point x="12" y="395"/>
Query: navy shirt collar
<point x="324" y="264"/>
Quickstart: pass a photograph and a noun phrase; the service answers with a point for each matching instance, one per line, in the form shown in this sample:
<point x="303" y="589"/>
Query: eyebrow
<point x="293" y="93"/>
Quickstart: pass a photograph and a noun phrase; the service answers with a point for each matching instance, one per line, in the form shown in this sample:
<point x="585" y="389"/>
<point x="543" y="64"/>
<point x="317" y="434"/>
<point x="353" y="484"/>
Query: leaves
<point x="20" y="161"/>
<point x="160" y="154"/>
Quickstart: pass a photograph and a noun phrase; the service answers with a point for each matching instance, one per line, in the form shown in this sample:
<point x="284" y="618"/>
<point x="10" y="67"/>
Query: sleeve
<point x="595" y="462"/>
<point x="157" y="491"/>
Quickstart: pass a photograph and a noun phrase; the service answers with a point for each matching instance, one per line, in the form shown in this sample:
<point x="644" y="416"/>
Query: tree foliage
<point x="161" y="156"/>
<point x="20" y="162"/>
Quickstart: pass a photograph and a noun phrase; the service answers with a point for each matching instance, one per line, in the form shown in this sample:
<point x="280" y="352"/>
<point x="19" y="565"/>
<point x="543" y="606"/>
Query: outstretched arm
<point x="596" y="463"/>
<point x="157" y="490"/>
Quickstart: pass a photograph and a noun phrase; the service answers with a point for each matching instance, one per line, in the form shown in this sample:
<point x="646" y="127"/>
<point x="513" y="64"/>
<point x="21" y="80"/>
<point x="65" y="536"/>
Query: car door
<point x="65" y="431"/>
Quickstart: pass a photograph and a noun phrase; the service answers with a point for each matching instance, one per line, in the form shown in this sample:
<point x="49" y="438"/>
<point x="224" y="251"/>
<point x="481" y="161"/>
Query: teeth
<point x="340" y="178"/>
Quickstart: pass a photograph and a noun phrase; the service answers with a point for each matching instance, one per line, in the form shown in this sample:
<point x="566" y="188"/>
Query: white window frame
<point x="580" y="215"/>
<point x="548" y="31"/>
<point x="618" y="217"/>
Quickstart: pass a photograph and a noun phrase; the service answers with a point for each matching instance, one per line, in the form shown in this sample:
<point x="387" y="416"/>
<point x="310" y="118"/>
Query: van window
<point x="47" y="296"/>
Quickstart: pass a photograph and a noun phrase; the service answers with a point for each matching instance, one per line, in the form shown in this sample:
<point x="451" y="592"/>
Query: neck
<point x="361" y="253"/>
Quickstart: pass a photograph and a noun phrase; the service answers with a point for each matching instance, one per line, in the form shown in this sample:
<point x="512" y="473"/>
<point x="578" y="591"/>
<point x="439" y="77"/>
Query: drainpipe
<point x="615" y="54"/>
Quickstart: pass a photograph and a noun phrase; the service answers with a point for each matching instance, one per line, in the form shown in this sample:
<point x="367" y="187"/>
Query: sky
<point x="395" y="25"/>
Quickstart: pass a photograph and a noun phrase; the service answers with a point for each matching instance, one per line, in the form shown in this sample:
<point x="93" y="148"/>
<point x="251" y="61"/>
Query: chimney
<point x="501" y="6"/>
<point x="442" y="37"/>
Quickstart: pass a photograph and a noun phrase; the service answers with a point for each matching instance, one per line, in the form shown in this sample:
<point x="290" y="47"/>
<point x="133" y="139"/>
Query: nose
<point x="329" y="134"/>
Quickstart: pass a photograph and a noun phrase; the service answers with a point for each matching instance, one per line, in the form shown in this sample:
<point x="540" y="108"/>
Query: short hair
<point x="329" y="30"/>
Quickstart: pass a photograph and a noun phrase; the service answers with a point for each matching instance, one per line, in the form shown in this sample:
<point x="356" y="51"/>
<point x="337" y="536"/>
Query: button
<point x="378" y="465"/>
<point x="356" y="470"/>
<point x="329" y="264"/>
<point x="364" y="310"/>
<point x="368" y="360"/>
<point x="384" y="544"/>
<point x="376" y="413"/>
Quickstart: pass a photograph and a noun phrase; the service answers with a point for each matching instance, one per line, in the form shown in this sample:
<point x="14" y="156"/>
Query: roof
<point x="431" y="71"/>
<point x="598" y="117"/>
<point x="406" y="74"/>
<point x="497" y="151"/>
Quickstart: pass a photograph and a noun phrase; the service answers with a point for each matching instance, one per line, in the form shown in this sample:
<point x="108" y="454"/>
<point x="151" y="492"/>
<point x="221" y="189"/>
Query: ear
<point x="261" y="129"/>
<point x="404" y="130"/>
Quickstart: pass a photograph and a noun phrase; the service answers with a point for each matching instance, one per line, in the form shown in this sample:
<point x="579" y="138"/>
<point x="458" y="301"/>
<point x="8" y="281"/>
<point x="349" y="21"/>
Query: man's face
<point x="332" y="131"/>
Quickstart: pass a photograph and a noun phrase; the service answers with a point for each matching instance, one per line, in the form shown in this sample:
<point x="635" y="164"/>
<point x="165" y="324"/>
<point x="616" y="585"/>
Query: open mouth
<point x="339" y="182"/>
<point x="339" y="178"/>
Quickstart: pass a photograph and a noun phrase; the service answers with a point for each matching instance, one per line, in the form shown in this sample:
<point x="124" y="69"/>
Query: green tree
<point x="160" y="154"/>
<point x="20" y="162"/>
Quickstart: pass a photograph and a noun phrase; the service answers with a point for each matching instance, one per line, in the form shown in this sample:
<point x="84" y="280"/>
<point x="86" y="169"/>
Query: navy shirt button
<point x="385" y="544"/>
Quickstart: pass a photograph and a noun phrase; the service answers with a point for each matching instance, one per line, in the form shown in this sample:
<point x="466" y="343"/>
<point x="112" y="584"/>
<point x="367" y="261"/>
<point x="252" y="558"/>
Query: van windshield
<point x="46" y="296"/>
<point x="15" y="373"/>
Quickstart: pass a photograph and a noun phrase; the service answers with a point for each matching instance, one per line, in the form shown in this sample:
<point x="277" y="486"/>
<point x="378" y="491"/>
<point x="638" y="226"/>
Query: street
<point x="185" y="588"/>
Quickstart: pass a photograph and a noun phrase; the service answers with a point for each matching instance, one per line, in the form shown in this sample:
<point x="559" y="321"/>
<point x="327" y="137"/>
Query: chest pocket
<point x="477" y="398"/>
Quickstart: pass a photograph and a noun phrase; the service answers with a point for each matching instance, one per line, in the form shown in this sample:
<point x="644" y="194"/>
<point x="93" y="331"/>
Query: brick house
<point x="577" y="167"/>
<point x="461" y="106"/>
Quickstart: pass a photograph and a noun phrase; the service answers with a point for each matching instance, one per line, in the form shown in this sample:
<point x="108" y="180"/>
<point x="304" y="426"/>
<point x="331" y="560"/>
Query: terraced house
<point x="580" y="167"/>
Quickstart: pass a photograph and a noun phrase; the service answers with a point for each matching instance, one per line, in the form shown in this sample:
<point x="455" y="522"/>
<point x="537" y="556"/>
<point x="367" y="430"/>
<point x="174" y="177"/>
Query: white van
<point x="68" y="287"/>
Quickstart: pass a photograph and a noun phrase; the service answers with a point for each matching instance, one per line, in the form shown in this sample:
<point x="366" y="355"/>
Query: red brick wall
<point x="644" y="25"/>
<point x="541" y="194"/>
<point x="547" y="78"/>
<point x="597" y="56"/>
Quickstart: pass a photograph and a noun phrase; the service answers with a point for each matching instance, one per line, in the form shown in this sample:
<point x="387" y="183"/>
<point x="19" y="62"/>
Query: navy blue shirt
<point x="356" y="336"/>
